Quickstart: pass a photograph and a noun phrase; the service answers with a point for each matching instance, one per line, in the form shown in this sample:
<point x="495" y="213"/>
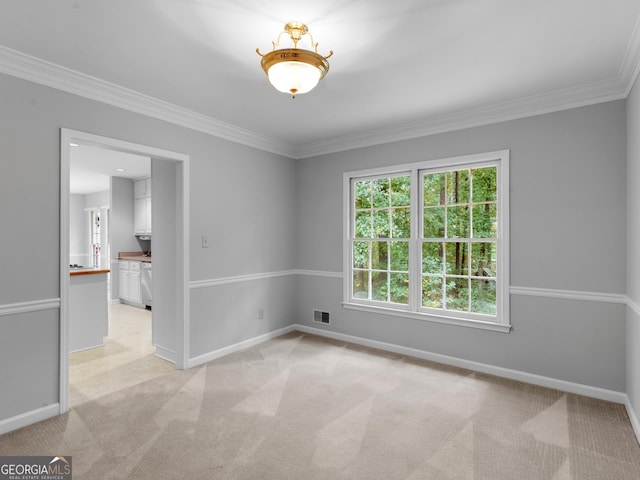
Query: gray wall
<point x="242" y="198"/>
<point x="29" y="361"/>
<point x="567" y="233"/>
<point x="98" y="199"/>
<point x="263" y="213"/>
<point x="165" y="309"/>
<point x="121" y="218"/>
<point x="633" y="252"/>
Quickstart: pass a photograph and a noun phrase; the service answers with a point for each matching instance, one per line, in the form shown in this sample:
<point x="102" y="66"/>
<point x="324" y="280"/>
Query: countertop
<point x="88" y="271"/>
<point x="134" y="256"/>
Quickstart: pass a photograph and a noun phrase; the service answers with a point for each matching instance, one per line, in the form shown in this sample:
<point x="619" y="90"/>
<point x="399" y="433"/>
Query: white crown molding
<point x="18" y="64"/>
<point x="631" y="62"/>
<point x="589" y="94"/>
<point x="521" y="108"/>
<point x="27" y="67"/>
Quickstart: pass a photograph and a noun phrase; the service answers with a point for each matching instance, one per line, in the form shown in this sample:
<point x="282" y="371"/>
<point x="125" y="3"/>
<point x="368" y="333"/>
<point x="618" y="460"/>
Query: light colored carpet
<point x="305" y="407"/>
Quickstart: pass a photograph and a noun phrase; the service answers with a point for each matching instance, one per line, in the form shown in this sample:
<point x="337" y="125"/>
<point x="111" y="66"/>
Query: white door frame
<point x="68" y="136"/>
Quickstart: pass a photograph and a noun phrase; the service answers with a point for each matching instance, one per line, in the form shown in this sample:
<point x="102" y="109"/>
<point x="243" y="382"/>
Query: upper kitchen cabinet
<point x="142" y="188"/>
<point x="142" y="210"/>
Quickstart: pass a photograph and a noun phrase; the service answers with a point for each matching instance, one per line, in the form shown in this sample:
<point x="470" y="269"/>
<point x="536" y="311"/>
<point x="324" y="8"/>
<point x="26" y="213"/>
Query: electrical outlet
<point x="261" y="314"/>
<point x="205" y="241"/>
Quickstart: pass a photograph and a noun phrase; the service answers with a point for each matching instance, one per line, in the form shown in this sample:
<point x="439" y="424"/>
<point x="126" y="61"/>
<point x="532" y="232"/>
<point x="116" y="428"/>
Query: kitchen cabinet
<point x="123" y="280"/>
<point x="142" y="216"/>
<point x="129" y="276"/>
<point x="134" y="283"/>
<point x="142" y="207"/>
<point x="142" y="188"/>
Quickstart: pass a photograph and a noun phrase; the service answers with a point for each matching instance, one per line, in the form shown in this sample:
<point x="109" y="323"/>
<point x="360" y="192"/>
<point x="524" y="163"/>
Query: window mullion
<point x="415" y="244"/>
<point x="469" y="249"/>
<point x="445" y="206"/>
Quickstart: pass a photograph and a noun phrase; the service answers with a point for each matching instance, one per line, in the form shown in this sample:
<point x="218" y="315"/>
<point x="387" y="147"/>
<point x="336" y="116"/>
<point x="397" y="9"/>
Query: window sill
<point x="461" y="322"/>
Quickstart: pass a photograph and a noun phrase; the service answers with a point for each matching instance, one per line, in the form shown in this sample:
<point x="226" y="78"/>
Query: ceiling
<point x="91" y="168"/>
<point x="400" y="68"/>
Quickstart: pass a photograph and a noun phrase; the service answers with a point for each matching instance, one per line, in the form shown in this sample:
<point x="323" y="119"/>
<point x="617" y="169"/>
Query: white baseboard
<point x="28" y="418"/>
<point x="580" y="389"/>
<point x="632" y="417"/>
<point x="207" y="357"/>
<point x="131" y="304"/>
<point x="87" y="348"/>
<point x="165" y="354"/>
<point x="563" y="385"/>
<point x="49" y="411"/>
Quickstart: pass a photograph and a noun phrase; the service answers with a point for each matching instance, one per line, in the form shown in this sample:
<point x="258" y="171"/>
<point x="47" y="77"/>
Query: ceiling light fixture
<point x="294" y="70"/>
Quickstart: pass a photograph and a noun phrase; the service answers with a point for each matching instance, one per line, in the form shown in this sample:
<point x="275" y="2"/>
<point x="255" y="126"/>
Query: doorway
<point x="170" y="252"/>
<point x="125" y="358"/>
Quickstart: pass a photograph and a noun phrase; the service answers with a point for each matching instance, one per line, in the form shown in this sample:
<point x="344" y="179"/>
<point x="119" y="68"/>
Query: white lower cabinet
<point x="123" y="279"/>
<point x="129" y="276"/>
<point x="134" y="287"/>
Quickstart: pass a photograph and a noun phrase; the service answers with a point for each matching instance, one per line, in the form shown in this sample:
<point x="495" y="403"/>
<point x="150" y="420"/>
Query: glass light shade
<point x="294" y="77"/>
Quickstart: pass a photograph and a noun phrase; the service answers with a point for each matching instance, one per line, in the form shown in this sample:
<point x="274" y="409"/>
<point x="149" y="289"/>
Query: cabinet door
<point x="147" y="211"/>
<point x="134" y="287"/>
<point x="123" y="278"/>
<point x="140" y="216"/>
<point x="139" y="189"/>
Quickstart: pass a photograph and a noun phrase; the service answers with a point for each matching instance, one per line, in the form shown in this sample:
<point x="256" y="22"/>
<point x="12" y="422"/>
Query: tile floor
<point x="126" y="359"/>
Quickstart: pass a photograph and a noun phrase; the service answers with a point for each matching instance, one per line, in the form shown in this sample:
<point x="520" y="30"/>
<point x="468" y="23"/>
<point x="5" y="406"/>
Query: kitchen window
<point x="99" y="247"/>
<point x="430" y="240"/>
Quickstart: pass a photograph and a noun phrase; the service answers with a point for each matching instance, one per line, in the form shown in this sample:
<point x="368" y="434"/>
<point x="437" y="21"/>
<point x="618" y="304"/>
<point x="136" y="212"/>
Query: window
<point x="95" y="234"/>
<point x="381" y="239"/>
<point x="430" y="240"/>
<point x="99" y="235"/>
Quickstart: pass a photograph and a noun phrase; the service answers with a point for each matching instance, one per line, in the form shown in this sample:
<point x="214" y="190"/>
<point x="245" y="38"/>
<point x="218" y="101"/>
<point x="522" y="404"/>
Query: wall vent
<point x="321" y="317"/>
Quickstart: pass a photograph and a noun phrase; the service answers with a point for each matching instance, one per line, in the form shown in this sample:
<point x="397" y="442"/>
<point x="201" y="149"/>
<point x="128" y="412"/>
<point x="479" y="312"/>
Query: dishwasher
<point x="146" y="283"/>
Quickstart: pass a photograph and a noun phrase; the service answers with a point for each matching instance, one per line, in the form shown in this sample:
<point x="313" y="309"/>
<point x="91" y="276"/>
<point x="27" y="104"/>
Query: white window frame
<point x="500" y="322"/>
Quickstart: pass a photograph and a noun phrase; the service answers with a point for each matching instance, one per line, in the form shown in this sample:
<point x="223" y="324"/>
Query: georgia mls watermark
<point x="35" y="468"/>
